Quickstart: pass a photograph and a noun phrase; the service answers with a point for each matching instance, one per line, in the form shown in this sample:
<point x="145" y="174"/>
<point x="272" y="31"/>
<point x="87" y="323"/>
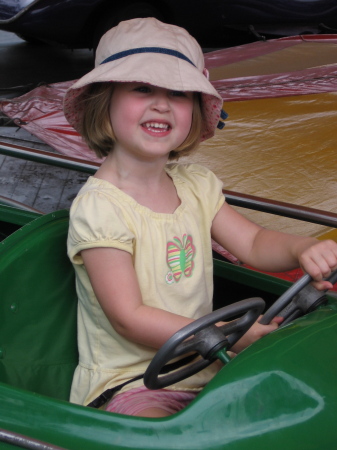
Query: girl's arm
<point x="115" y="284"/>
<point x="271" y="250"/>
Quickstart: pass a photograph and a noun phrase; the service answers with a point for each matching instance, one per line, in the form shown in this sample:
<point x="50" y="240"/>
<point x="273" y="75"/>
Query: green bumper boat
<point x="279" y="393"/>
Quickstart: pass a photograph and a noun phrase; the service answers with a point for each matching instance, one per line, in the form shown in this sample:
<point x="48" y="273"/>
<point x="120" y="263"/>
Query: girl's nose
<point x="161" y="102"/>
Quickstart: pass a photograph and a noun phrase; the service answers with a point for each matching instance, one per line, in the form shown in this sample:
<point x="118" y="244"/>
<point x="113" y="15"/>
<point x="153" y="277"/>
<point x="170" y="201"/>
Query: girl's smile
<point x="150" y="120"/>
<point x="158" y="128"/>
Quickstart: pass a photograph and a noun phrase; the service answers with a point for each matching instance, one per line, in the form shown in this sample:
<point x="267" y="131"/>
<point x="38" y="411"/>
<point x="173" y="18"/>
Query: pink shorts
<point x="135" y="400"/>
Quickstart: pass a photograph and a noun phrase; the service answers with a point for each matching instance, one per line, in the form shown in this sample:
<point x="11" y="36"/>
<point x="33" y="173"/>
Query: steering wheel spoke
<point x="298" y="300"/>
<point x="204" y="338"/>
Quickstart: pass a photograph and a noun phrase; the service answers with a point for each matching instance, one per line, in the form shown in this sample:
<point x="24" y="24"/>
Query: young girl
<point x="140" y="229"/>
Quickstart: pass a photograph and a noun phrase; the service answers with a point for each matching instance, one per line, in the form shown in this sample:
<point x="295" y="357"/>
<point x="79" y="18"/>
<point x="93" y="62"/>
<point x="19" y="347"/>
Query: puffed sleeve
<point x="95" y="221"/>
<point x="207" y="186"/>
<point x="204" y="186"/>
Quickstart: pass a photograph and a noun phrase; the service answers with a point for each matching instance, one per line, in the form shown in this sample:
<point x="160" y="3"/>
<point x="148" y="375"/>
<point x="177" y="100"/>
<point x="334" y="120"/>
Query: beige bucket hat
<point x="147" y="50"/>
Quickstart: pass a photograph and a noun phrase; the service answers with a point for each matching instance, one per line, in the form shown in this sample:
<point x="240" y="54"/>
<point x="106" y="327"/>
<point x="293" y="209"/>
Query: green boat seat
<point x="38" y="308"/>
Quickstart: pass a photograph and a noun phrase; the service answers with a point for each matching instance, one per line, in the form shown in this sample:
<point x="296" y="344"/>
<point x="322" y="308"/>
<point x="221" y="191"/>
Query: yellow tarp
<point x="282" y="149"/>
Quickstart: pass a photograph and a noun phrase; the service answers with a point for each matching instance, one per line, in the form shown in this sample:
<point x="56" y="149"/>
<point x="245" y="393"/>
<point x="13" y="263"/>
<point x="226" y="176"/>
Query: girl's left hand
<point x="255" y="332"/>
<point x="319" y="260"/>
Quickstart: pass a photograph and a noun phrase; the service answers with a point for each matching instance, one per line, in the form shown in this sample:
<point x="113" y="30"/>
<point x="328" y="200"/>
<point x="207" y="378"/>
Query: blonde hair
<point x="97" y="131"/>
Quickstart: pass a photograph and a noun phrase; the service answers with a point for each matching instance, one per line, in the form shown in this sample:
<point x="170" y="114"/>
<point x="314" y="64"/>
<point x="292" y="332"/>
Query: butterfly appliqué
<point x="180" y="255"/>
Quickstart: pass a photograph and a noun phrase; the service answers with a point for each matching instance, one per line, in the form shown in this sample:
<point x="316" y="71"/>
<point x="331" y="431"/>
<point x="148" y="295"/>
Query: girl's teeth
<point x="161" y="126"/>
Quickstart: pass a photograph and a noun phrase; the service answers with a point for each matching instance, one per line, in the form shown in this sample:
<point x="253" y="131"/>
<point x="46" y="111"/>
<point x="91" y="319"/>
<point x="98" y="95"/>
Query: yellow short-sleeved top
<point x="172" y="256"/>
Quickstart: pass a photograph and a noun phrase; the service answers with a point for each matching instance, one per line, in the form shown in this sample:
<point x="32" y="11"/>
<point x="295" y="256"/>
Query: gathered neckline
<point x="178" y="184"/>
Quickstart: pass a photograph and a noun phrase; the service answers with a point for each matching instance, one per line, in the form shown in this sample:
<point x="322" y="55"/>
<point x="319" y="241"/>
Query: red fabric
<point x="305" y="82"/>
<point x="233" y="55"/>
<point x="40" y="112"/>
<point x="290" y="275"/>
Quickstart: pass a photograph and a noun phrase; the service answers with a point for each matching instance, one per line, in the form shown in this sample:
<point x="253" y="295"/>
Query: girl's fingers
<point x="320" y="260"/>
<point x="322" y="285"/>
<point x="278" y="320"/>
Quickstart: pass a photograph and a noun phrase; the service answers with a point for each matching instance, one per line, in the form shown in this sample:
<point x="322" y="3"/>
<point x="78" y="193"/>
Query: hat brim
<point x="159" y="70"/>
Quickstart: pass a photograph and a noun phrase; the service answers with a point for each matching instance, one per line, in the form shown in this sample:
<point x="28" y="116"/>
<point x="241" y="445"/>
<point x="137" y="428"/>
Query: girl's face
<point x="149" y="121"/>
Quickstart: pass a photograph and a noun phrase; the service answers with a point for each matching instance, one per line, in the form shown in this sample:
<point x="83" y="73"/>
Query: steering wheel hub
<point x="204" y="338"/>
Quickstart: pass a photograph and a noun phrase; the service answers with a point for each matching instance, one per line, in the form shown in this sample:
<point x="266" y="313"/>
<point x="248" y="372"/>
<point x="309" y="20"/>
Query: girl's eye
<point x="178" y="94"/>
<point x="143" y="89"/>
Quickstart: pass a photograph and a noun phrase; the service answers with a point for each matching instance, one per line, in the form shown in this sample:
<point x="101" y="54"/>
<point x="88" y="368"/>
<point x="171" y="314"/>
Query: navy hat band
<point x="134" y="51"/>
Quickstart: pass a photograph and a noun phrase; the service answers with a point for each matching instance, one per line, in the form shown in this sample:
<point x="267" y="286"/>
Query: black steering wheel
<point x="207" y="340"/>
<point x="301" y="298"/>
